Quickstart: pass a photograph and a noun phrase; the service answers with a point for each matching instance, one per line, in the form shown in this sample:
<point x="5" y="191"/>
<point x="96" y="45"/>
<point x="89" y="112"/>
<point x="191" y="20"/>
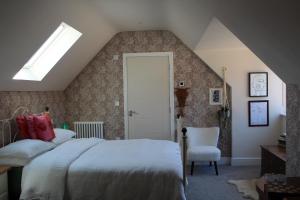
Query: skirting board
<point x="245" y="161"/>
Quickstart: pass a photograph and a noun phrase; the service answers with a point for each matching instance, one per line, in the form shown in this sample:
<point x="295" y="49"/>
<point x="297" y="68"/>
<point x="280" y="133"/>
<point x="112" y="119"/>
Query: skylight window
<point x="59" y="42"/>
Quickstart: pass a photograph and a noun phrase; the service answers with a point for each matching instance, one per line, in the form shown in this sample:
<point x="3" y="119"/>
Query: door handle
<point x="131" y="113"/>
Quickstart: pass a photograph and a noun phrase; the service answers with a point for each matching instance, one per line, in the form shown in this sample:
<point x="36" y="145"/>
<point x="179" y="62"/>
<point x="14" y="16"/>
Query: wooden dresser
<point x="273" y="159"/>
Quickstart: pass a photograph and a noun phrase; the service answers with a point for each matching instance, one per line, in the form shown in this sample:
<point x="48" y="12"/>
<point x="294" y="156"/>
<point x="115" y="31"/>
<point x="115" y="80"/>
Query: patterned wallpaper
<point x="92" y="93"/>
<point x="293" y="130"/>
<point x="35" y="102"/>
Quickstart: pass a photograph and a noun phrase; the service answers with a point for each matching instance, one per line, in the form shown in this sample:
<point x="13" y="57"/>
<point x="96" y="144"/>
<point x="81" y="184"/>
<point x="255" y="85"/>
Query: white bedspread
<point x="93" y="169"/>
<point x="44" y="177"/>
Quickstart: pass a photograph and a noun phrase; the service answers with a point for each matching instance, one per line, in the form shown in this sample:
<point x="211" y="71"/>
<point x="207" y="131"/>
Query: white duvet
<point x="106" y="170"/>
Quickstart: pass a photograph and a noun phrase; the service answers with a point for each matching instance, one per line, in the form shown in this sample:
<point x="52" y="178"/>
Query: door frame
<point x="171" y="88"/>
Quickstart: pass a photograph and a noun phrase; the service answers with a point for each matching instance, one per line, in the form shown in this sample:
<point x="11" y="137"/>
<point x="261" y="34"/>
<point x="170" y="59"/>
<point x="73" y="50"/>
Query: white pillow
<point x="62" y="135"/>
<point x="21" y="152"/>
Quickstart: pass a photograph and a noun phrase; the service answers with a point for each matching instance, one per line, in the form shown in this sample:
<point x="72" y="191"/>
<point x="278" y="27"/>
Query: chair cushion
<point x="204" y="153"/>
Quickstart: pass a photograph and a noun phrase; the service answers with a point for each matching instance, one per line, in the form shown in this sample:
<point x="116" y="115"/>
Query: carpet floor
<point x="205" y="185"/>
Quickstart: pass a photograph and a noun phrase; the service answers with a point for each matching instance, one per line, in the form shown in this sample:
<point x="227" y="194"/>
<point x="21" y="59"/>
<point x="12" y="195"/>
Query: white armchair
<point x="202" y="146"/>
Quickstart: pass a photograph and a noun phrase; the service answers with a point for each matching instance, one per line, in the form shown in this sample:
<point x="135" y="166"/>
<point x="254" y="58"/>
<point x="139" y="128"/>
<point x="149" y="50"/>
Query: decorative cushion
<point x="30" y="126"/>
<point x="43" y="127"/>
<point x="204" y="153"/>
<point x="22" y="125"/>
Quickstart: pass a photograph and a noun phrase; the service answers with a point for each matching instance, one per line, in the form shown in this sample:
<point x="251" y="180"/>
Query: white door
<point x="148" y="96"/>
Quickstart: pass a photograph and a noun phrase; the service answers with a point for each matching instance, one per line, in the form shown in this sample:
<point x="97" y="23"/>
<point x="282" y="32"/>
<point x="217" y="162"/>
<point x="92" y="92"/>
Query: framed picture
<point x="215" y="96"/>
<point x="258" y="84"/>
<point x="258" y="113"/>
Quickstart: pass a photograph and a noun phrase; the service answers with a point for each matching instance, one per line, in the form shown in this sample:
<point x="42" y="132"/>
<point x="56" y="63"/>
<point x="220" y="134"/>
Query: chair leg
<point x="210" y="163"/>
<point x="216" y="168"/>
<point x="192" y="168"/>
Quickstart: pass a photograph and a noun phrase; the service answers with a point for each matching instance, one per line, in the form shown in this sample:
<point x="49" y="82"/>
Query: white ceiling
<point x="270" y="28"/>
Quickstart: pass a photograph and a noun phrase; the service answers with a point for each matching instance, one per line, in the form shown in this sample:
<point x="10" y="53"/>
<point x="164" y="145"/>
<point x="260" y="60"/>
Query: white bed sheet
<point x="44" y="177"/>
<point x="108" y="170"/>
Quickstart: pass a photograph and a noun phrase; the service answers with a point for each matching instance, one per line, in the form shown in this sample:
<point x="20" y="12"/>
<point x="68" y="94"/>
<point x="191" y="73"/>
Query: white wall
<point x="246" y="140"/>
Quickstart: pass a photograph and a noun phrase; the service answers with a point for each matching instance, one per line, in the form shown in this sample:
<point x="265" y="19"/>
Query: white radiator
<point x="88" y="129"/>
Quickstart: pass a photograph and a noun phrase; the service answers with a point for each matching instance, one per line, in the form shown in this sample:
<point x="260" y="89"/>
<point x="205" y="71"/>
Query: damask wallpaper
<point x="293" y="130"/>
<point x="92" y="94"/>
<point x="35" y="102"/>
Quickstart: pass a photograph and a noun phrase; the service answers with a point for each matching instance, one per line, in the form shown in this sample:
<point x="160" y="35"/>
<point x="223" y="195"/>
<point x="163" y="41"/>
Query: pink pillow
<point x="30" y="126"/>
<point x="22" y="125"/>
<point x="43" y="128"/>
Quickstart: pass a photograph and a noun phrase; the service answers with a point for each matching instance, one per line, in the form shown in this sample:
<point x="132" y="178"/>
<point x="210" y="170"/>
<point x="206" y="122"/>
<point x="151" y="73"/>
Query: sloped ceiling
<point x="270" y="28"/>
<point x="25" y="25"/>
<point x="218" y="37"/>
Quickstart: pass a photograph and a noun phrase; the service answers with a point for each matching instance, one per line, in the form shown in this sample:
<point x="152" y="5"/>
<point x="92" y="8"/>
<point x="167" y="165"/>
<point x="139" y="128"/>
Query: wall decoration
<point x="35" y="101"/>
<point x="181" y="94"/>
<point x="258" y="113"/>
<point x="216" y="96"/>
<point x="224" y="113"/>
<point x="181" y="83"/>
<point x="258" y="84"/>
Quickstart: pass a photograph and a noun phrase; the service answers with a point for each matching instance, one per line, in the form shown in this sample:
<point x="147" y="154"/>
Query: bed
<point x="94" y="168"/>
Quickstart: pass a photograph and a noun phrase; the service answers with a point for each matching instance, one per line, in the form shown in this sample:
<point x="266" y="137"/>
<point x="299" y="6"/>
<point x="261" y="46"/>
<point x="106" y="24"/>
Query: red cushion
<point x="30" y="125"/>
<point x="22" y="125"/>
<point x="43" y="128"/>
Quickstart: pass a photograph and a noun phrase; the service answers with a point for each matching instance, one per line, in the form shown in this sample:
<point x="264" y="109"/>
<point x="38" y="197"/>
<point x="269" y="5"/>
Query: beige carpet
<point x="247" y="187"/>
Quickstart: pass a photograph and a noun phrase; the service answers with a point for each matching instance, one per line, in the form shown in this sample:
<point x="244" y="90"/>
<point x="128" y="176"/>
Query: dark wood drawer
<point x="273" y="160"/>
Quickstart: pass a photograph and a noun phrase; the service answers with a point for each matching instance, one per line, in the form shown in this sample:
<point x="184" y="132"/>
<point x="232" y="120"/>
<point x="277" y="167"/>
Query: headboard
<point x="8" y="127"/>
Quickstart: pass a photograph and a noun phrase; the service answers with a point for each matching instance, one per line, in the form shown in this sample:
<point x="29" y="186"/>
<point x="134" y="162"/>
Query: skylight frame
<point x="47" y="56"/>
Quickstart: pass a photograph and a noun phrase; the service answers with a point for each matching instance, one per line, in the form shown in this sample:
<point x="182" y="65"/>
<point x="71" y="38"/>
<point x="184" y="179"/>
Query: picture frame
<point x="258" y="113"/>
<point x="258" y="84"/>
<point x="215" y="96"/>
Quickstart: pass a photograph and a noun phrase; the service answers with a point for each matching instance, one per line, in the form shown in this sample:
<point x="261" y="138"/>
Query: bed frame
<point x="8" y="127"/>
<point x="184" y="156"/>
<point x="9" y="134"/>
<point x="15" y="173"/>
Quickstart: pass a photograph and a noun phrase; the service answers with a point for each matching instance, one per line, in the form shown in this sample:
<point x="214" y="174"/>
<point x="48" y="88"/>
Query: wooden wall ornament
<point x="181" y="95"/>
